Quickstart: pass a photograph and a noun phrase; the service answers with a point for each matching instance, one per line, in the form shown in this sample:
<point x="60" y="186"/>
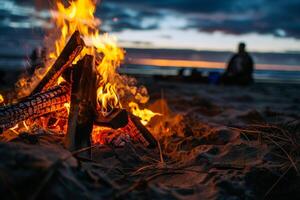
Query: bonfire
<point x="78" y="129"/>
<point x="79" y="91"/>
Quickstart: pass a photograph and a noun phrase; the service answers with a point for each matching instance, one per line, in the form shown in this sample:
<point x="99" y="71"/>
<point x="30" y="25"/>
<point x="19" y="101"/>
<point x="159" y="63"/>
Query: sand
<point x="217" y="143"/>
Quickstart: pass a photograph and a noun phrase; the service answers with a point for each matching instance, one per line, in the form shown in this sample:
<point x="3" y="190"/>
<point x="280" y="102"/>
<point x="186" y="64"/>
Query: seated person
<point x="240" y="68"/>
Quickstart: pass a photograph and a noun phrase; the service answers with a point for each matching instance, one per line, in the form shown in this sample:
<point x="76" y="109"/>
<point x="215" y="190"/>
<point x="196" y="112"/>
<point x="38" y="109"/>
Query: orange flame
<point x="67" y="106"/>
<point x="113" y="90"/>
<point x="145" y="114"/>
<point x="80" y="16"/>
<point x="13" y="129"/>
<point x="1" y="99"/>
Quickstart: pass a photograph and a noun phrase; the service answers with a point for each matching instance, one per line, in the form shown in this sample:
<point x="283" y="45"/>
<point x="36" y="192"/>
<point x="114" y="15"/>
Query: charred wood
<point x="145" y="136"/>
<point x="65" y="59"/>
<point x="34" y="106"/>
<point x="117" y="118"/>
<point x="83" y="106"/>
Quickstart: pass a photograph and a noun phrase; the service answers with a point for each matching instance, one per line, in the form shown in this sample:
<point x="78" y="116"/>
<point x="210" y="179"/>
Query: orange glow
<point x="1" y="99"/>
<point x="67" y="106"/>
<point x="60" y="80"/>
<point x="13" y="129"/>
<point x="204" y="64"/>
<point x="25" y="125"/>
<point x="145" y="114"/>
<point x="177" y="63"/>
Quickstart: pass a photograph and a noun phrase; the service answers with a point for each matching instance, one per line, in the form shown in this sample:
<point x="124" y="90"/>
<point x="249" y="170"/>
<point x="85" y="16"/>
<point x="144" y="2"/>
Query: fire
<point x="13" y="129"/>
<point x="145" y="114"/>
<point x="113" y="89"/>
<point x="60" y="80"/>
<point x="80" y="16"/>
<point x="1" y="99"/>
<point x="67" y="106"/>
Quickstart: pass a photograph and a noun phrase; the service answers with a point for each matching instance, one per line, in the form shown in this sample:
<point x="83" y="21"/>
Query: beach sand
<point x="216" y="143"/>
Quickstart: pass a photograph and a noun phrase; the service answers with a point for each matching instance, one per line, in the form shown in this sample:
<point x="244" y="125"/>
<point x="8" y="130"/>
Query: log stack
<point x="80" y="91"/>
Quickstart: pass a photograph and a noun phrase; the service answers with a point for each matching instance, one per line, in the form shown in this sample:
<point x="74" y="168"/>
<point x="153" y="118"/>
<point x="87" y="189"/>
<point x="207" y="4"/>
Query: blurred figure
<point x="240" y="68"/>
<point x="37" y="59"/>
<point x="181" y="72"/>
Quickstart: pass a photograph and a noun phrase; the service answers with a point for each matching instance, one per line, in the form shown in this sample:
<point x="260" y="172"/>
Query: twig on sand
<point x="160" y="153"/>
<point x="278" y="180"/>
<point x="283" y="138"/>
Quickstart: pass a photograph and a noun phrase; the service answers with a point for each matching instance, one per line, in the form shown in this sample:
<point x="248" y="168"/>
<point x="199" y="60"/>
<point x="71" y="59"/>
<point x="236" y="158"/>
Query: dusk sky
<point x="265" y="25"/>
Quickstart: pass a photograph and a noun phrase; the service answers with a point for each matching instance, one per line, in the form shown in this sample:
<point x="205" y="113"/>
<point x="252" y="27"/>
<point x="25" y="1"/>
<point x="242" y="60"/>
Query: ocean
<point x="259" y="75"/>
<point x="18" y="63"/>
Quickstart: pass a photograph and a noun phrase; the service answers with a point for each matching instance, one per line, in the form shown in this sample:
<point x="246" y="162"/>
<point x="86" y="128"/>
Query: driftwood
<point x="65" y="59"/>
<point x="34" y="106"/>
<point x="83" y="105"/>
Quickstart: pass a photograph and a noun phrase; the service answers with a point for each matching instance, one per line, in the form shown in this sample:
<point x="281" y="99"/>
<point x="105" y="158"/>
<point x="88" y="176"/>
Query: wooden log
<point x="65" y="59"/>
<point x="117" y="118"/>
<point x="126" y="123"/>
<point x="34" y="106"/>
<point x="83" y="106"/>
<point x="146" y="135"/>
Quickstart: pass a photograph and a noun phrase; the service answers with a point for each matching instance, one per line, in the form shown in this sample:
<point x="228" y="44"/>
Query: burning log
<point x="82" y="78"/>
<point x="144" y="135"/>
<point x="117" y="118"/>
<point x="83" y="105"/>
<point x="65" y="59"/>
<point x="124" y="122"/>
<point x="34" y="106"/>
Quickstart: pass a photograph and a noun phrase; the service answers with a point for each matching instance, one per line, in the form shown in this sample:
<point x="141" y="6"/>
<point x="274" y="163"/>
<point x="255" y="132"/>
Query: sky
<point x="217" y="25"/>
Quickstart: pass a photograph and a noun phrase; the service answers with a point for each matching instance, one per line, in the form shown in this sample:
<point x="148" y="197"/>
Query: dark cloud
<point x="279" y="18"/>
<point x="191" y="6"/>
<point x="119" y="17"/>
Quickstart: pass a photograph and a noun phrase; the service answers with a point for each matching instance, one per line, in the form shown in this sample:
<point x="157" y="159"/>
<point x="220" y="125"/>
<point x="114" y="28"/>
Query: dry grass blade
<point x="278" y="180"/>
<point x="286" y="153"/>
<point x="283" y="137"/>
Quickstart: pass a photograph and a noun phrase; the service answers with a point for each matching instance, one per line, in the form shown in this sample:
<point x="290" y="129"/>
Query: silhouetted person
<point x="181" y="72"/>
<point x="196" y="75"/>
<point x="240" y="68"/>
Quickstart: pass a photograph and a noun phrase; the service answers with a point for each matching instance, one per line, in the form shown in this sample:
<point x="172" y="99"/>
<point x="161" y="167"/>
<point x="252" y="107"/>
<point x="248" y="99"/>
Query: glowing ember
<point x="67" y="106"/>
<point x="1" y="99"/>
<point x="13" y="129"/>
<point x="60" y="80"/>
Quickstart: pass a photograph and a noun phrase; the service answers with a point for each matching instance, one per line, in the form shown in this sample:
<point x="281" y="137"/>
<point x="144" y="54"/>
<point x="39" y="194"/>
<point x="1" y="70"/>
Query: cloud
<point x="116" y="17"/>
<point x="279" y="18"/>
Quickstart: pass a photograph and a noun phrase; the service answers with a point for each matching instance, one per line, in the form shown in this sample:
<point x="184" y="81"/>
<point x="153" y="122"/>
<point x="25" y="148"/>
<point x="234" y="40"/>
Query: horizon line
<point x="204" y="64"/>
